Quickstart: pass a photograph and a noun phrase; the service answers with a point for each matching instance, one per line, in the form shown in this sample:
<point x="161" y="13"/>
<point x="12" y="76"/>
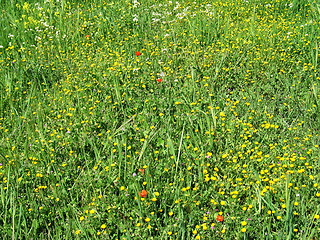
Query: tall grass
<point x="171" y="120"/>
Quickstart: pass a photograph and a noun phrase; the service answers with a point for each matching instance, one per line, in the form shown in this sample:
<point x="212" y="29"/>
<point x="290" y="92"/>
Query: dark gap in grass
<point x="41" y="77"/>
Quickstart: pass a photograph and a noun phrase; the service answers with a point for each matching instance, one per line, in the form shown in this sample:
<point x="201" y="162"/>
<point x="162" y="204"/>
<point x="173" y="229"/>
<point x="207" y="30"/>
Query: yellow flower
<point x="243" y="223"/>
<point x="243" y="230"/>
<point x="147" y="219"/>
<point x="103" y="226"/>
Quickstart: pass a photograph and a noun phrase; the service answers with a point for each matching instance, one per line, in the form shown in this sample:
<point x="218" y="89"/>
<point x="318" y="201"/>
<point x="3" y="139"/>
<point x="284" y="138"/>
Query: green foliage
<point x="140" y="119"/>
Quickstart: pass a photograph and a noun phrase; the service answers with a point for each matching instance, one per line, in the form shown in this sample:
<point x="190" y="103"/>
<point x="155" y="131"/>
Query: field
<point x="165" y="119"/>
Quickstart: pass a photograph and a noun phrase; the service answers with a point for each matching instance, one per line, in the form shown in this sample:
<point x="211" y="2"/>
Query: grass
<point x="171" y="120"/>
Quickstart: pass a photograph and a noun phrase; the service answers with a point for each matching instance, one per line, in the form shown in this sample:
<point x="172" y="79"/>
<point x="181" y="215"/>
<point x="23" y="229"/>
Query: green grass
<point x="218" y="115"/>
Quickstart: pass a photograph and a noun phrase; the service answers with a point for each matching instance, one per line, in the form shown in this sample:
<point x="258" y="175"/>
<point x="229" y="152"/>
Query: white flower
<point x="135" y="18"/>
<point x="135" y="3"/>
<point x="162" y="74"/>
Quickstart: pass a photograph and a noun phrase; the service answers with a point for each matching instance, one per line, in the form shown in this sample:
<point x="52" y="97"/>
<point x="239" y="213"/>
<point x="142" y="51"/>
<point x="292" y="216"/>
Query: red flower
<point x="87" y="36"/>
<point x="159" y="80"/>
<point x="220" y="218"/>
<point x="143" y="193"/>
<point x="138" y="53"/>
<point x="141" y="170"/>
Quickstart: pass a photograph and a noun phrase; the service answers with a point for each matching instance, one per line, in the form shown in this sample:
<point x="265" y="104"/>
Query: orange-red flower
<point x="141" y="170"/>
<point x="220" y="218"/>
<point x="159" y="80"/>
<point x="138" y="53"/>
<point x="143" y="193"/>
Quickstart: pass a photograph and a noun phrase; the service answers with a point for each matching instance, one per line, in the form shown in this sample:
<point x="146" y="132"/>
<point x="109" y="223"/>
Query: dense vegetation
<point x="159" y="119"/>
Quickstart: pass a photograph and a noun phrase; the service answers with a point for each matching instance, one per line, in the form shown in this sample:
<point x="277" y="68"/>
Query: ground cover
<point x="159" y="120"/>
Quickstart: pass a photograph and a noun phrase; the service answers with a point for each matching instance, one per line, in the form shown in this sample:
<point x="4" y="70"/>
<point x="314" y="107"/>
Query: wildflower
<point x="204" y="226"/>
<point x="222" y="114"/>
<point x="243" y="223"/>
<point x="220" y="218"/>
<point x="223" y="203"/>
<point x="141" y="170"/>
<point x="243" y="230"/>
<point x="143" y="193"/>
<point x="138" y="53"/>
<point x="87" y="36"/>
<point x="103" y="226"/>
<point x="162" y="74"/>
<point x="159" y="80"/>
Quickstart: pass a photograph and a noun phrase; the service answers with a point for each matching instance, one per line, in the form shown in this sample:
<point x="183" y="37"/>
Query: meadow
<point x="151" y="119"/>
